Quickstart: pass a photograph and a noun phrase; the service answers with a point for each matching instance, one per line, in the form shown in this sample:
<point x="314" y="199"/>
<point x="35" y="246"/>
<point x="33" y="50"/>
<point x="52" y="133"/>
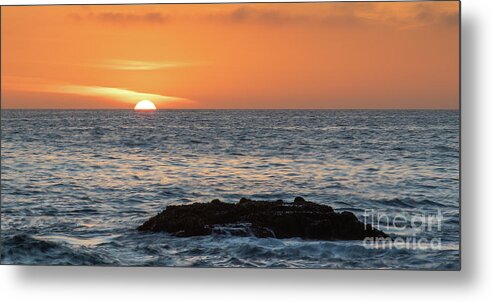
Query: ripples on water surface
<point x="76" y="184"/>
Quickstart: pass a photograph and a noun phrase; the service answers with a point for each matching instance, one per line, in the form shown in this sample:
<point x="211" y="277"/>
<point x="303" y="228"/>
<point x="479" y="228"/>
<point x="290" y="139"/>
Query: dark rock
<point x="216" y="201"/>
<point x="299" y="200"/>
<point x="278" y="219"/>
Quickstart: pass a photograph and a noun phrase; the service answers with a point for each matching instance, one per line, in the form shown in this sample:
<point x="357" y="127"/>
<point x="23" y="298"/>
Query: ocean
<point x="76" y="184"/>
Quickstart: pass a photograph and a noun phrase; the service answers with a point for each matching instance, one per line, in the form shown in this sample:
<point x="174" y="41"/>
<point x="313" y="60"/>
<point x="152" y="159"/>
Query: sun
<point x="145" y="105"/>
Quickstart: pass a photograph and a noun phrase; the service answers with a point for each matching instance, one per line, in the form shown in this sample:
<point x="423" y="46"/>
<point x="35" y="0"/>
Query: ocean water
<point x="76" y="184"/>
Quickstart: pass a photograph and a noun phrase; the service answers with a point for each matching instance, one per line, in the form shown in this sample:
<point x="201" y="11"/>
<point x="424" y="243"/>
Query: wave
<point x="208" y="251"/>
<point x="222" y="249"/>
<point x="408" y="203"/>
<point x="25" y="249"/>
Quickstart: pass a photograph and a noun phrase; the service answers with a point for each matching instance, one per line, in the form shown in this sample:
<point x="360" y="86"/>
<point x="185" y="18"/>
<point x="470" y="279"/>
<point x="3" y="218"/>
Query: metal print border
<point x="460" y="215"/>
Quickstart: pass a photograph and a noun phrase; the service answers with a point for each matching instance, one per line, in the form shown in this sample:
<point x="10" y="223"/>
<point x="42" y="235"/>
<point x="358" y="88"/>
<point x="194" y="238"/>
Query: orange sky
<point x="310" y="55"/>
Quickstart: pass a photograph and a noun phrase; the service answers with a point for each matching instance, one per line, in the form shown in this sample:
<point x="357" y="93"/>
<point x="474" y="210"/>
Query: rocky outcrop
<point x="277" y="219"/>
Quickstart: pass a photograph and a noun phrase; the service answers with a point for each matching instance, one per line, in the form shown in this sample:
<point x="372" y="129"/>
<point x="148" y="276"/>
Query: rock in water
<point x="304" y="219"/>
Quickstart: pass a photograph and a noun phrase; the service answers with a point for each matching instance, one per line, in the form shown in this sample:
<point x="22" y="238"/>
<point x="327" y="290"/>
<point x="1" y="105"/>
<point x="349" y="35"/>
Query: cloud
<point x="124" y="95"/>
<point x="428" y="13"/>
<point x="395" y="14"/>
<point x="398" y="15"/>
<point x="121" y="18"/>
<point x="250" y="14"/>
<point x="144" y="65"/>
<point x="405" y="15"/>
<point x="113" y="93"/>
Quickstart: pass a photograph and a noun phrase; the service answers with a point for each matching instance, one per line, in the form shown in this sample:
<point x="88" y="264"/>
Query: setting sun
<point x="145" y="105"/>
